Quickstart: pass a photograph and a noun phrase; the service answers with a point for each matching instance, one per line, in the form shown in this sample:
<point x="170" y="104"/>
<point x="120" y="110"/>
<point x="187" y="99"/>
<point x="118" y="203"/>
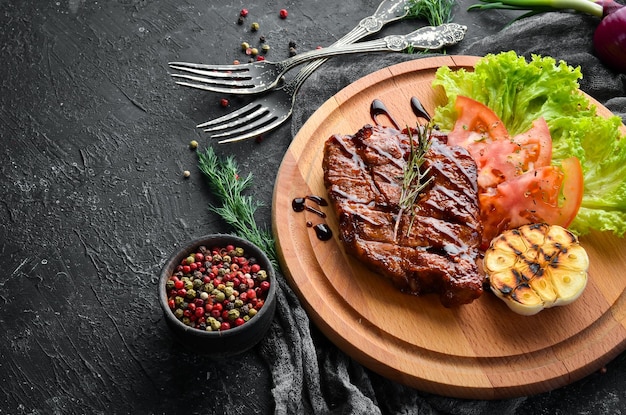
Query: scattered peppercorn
<point x="283" y="13"/>
<point x="217" y="305"/>
<point x="254" y="51"/>
<point x="265" y="48"/>
<point x="243" y="12"/>
<point x="260" y="58"/>
<point x="245" y="46"/>
<point x="240" y="20"/>
<point x="292" y="51"/>
<point x="236" y="62"/>
<point x="224" y="102"/>
<point x="186" y="174"/>
<point x="262" y="39"/>
<point x="193" y="144"/>
<point x="254" y="26"/>
<point x="292" y="44"/>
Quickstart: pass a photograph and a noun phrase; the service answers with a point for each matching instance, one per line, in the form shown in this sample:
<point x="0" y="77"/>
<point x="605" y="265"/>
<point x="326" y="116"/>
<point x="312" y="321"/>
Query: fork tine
<point x="237" y="89"/>
<point x="238" y="127"/>
<point x="231" y="115"/>
<point x="262" y="126"/>
<point x="213" y="74"/>
<point x="247" y="120"/>
<point x="191" y="67"/>
<point x="254" y="133"/>
<point x="215" y="81"/>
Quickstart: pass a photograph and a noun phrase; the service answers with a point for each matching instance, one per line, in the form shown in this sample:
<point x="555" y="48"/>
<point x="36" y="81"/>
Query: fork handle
<point x="388" y="11"/>
<point x="425" y="38"/>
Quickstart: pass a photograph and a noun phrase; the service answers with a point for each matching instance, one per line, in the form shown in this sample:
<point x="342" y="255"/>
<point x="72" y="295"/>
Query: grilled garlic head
<point x="536" y="266"/>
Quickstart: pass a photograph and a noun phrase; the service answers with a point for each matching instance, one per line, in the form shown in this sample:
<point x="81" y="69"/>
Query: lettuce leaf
<point x="519" y="92"/>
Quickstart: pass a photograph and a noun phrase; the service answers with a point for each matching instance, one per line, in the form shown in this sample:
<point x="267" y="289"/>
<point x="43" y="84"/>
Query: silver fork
<point x="388" y="11"/>
<point x="261" y="76"/>
<point x="270" y="110"/>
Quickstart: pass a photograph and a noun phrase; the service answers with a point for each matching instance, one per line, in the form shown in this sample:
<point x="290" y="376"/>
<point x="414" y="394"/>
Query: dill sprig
<point x="236" y="208"/>
<point x="436" y="12"/>
<point x="414" y="178"/>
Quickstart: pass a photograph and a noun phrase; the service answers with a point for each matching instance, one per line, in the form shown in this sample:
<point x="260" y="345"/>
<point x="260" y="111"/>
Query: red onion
<point x="609" y="38"/>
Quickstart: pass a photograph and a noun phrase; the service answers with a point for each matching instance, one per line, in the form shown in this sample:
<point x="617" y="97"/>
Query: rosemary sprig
<point x="414" y="178"/>
<point x="436" y="12"/>
<point x="237" y="209"/>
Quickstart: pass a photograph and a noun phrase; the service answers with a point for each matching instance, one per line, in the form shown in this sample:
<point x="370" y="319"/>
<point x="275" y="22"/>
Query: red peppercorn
<point x="186" y="269"/>
<point x="199" y="312"/>
<point x="208" y="308"/>
<point x="265" y="285"/>
<point x="260" y="58"/>
<point x="224" y="102"/>
<point x="218" y="307"/>
<point x="191" y="306"/>
<point x="251" y="293"/>
<point x="243" y="12"/>
<point x="239" y="321"/>
<point x="215" y="313"/>
<point x="283" y="13"/>
<point x="225" y="326"/>
<point x="171" y="304"/>
<point x="255" y="268"/>
<point x="178" y="284"/>
<point x="199" y="257"/>
<point x="193" y="266"/>
<point x="259" y="304"/>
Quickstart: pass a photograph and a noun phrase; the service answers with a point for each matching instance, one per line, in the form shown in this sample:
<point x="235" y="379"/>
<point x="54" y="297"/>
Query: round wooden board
<point x="479" y="351"/>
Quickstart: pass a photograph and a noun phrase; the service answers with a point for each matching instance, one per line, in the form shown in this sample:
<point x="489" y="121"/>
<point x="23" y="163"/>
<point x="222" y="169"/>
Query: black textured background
<point x="94" y="139"/>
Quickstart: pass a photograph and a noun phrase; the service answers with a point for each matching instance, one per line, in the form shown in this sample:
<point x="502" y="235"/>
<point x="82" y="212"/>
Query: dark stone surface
<point x="95" y="138"/>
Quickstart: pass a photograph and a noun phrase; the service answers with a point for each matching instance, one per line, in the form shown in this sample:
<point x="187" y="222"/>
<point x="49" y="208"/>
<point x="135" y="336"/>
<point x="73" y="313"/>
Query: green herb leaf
<point x="436" y="12"/>
<point x="414" y="178"/>
<point x="237" y="209"/>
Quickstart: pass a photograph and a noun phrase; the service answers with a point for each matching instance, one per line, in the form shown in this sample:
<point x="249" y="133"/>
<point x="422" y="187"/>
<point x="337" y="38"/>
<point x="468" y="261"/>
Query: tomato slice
<point x="535" y="145"/>
<point x="549" y="194"/>
<point x="498" y="156"/>
<point x="475" y="123"/>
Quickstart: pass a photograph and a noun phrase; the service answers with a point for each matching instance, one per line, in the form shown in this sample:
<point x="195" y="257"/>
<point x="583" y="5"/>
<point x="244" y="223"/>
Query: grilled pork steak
<point x="438" y="253"/>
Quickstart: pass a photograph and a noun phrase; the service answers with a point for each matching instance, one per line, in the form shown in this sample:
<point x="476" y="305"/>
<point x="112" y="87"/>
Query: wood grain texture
<point x="481" y="350"/>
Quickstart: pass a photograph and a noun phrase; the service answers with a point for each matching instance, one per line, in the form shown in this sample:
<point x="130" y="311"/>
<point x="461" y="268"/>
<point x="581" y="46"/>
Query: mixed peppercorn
<point x="217" y="289"/>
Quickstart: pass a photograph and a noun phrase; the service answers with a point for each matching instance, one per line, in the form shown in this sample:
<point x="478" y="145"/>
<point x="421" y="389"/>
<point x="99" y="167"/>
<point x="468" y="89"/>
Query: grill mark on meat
<point x="363" y="177"/>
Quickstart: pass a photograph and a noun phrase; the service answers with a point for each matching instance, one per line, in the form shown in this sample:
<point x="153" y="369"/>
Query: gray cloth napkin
<point x="311" y="375"/>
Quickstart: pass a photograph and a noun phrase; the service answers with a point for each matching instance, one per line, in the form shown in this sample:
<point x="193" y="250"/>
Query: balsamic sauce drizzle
<point x="322" y="230"/>
<point x="418" y="109"/>
<point x="378" y="108"/>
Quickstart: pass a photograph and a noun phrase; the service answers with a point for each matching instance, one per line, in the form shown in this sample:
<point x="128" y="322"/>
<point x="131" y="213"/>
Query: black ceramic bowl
<point x="223" y="342"/>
